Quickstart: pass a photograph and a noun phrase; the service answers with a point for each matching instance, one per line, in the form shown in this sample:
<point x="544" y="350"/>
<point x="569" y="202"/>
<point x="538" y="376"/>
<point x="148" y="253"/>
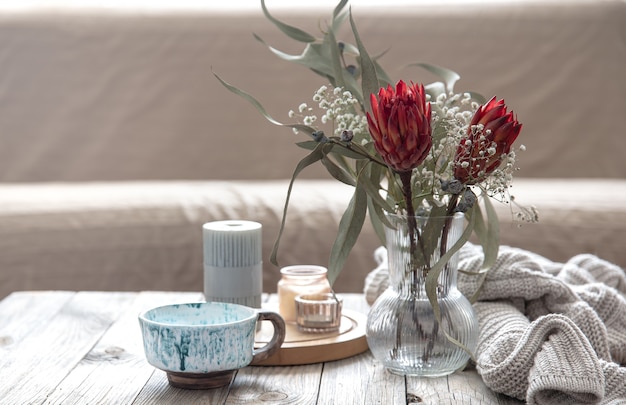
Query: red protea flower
<point x="400" y="125"/>
<point x="490" y="135"/>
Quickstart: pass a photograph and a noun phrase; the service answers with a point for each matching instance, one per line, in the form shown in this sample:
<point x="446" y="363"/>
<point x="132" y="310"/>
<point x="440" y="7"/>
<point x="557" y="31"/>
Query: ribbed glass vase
<point x="402" y="329"/>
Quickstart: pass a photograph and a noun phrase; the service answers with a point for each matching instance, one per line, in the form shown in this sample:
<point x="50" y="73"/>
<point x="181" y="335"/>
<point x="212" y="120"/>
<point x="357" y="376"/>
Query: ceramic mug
<point x="200" y="345"/>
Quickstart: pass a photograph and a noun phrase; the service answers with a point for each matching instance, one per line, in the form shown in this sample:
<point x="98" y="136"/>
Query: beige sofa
<point x="118" y="142"/>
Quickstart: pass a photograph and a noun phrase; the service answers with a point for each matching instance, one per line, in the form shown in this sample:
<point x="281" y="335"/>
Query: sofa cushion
<point x="148" y="235"/>
<point x="575" y="216"/>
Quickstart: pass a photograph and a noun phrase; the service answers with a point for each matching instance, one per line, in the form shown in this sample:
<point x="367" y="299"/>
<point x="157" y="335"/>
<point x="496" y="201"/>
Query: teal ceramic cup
<point x="200" y="345"/>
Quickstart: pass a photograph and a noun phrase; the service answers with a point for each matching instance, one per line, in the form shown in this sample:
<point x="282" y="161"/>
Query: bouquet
<point x="405" y="147"/>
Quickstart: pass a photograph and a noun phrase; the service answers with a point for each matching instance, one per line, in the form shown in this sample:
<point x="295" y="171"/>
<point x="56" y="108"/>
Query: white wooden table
<point x="61" y="347"/>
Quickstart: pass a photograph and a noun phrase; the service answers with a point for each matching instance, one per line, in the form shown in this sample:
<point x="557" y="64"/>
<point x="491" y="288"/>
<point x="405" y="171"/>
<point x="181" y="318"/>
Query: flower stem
<point x="357" y="149"/>
<point x="454" y="198"/>
<point x="405" y="178"/>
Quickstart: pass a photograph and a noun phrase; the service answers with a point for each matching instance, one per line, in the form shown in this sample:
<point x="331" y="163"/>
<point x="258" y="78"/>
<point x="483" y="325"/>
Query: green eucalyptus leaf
<point x="449" y="77"/>
<point x="315" y="56"/>
<point x="328" y="78"/>
<point x="290" y="31"/>
<point x="492" y="242"/>
<point x="479" y="98"/>
<point x="435" y="270"/>
<point x="431" y="283"/>
<point x="383" y="79"/>
<point x="431" y="232"/>
<point x="376" y="208"/>
<point x="338" y="151"/>
<point x="308" y="145"/>
<point x="316" y="155"/>
<point x="322" y="59"/>
<point x="300" y="127"/>
<point x="476" y="217"/>
<point x="331" y="42"/>
<point x="373" y="191"/>
<point x="394" y="190"/>
<point x="435" y="89"/>
<point x="487" y="231"/>
<point x="440" y="131"/>
<point x="344" y="163"/>
<point x="366" y="151"/>
<point x="347" y="153"/>
<point x="349" y="229"/>
<point x="337" y="172"/>
<point x="382" y="75"/>
<point x="319" y="58"/>
<point x="480" y="228"/>
<point x="338" y="15"/>
<point x="350" y="49"/>
<point x="369" y="78"/>
<point x="377" y="216"/>
<point x="339" y="7"/>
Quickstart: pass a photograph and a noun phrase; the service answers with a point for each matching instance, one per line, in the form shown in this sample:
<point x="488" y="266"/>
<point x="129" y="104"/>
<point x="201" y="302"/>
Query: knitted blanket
<point x="550" y="333"/>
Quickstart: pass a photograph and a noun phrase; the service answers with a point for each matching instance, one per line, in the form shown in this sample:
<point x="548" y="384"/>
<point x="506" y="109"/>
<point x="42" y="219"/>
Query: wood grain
<point x="60" y="343"/>
<point x="117" y="359"/>
<point x="86" y="348"/>
<point x="276" y="385"/>
<point x="308" y="348"/>
<point x="22" y="314"/>
<point x="360" y="380"/>
<point x="157" y="391"/>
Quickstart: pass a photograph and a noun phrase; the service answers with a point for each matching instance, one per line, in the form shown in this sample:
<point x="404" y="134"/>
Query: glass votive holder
<point x="300" y="279"/>
<point x="318" y="313"/>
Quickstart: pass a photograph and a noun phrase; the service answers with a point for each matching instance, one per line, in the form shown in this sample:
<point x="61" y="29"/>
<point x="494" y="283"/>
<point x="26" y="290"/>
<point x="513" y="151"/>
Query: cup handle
<point x="277" y="339"/>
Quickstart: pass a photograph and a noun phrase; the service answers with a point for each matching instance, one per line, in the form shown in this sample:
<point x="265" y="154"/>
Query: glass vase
<point x="402" y="330"/>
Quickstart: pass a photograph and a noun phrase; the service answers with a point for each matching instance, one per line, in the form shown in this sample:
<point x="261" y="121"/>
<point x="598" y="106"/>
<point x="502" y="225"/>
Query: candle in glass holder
<point x="318" y="313"/>
<point x="299" y="280"/>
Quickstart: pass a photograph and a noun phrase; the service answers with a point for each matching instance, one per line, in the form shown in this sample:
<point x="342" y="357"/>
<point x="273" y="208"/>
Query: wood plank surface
<point x="157" y="391"/>
<point x="21" y="314"/>
<point x="360" y="380"/>
<point x="36" y="364"/>
<point x="462" y="387"/>
<point x="276" y="385"/>
<point x="117" y="360"/>
<point x="309" y="348"/>
<point x="86" y="348"/>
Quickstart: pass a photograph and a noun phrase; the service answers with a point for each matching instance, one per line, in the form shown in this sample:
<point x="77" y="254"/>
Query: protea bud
<point x="400" y="125"/>
<point x="490" y="135"/>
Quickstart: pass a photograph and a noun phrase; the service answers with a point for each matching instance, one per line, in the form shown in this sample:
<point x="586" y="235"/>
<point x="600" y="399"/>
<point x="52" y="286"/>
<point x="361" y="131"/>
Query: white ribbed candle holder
<point x="233" y="265"/>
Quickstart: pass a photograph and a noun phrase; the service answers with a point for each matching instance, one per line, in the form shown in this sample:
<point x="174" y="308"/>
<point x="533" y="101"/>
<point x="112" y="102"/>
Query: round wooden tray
<point x="307" y="348"/>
